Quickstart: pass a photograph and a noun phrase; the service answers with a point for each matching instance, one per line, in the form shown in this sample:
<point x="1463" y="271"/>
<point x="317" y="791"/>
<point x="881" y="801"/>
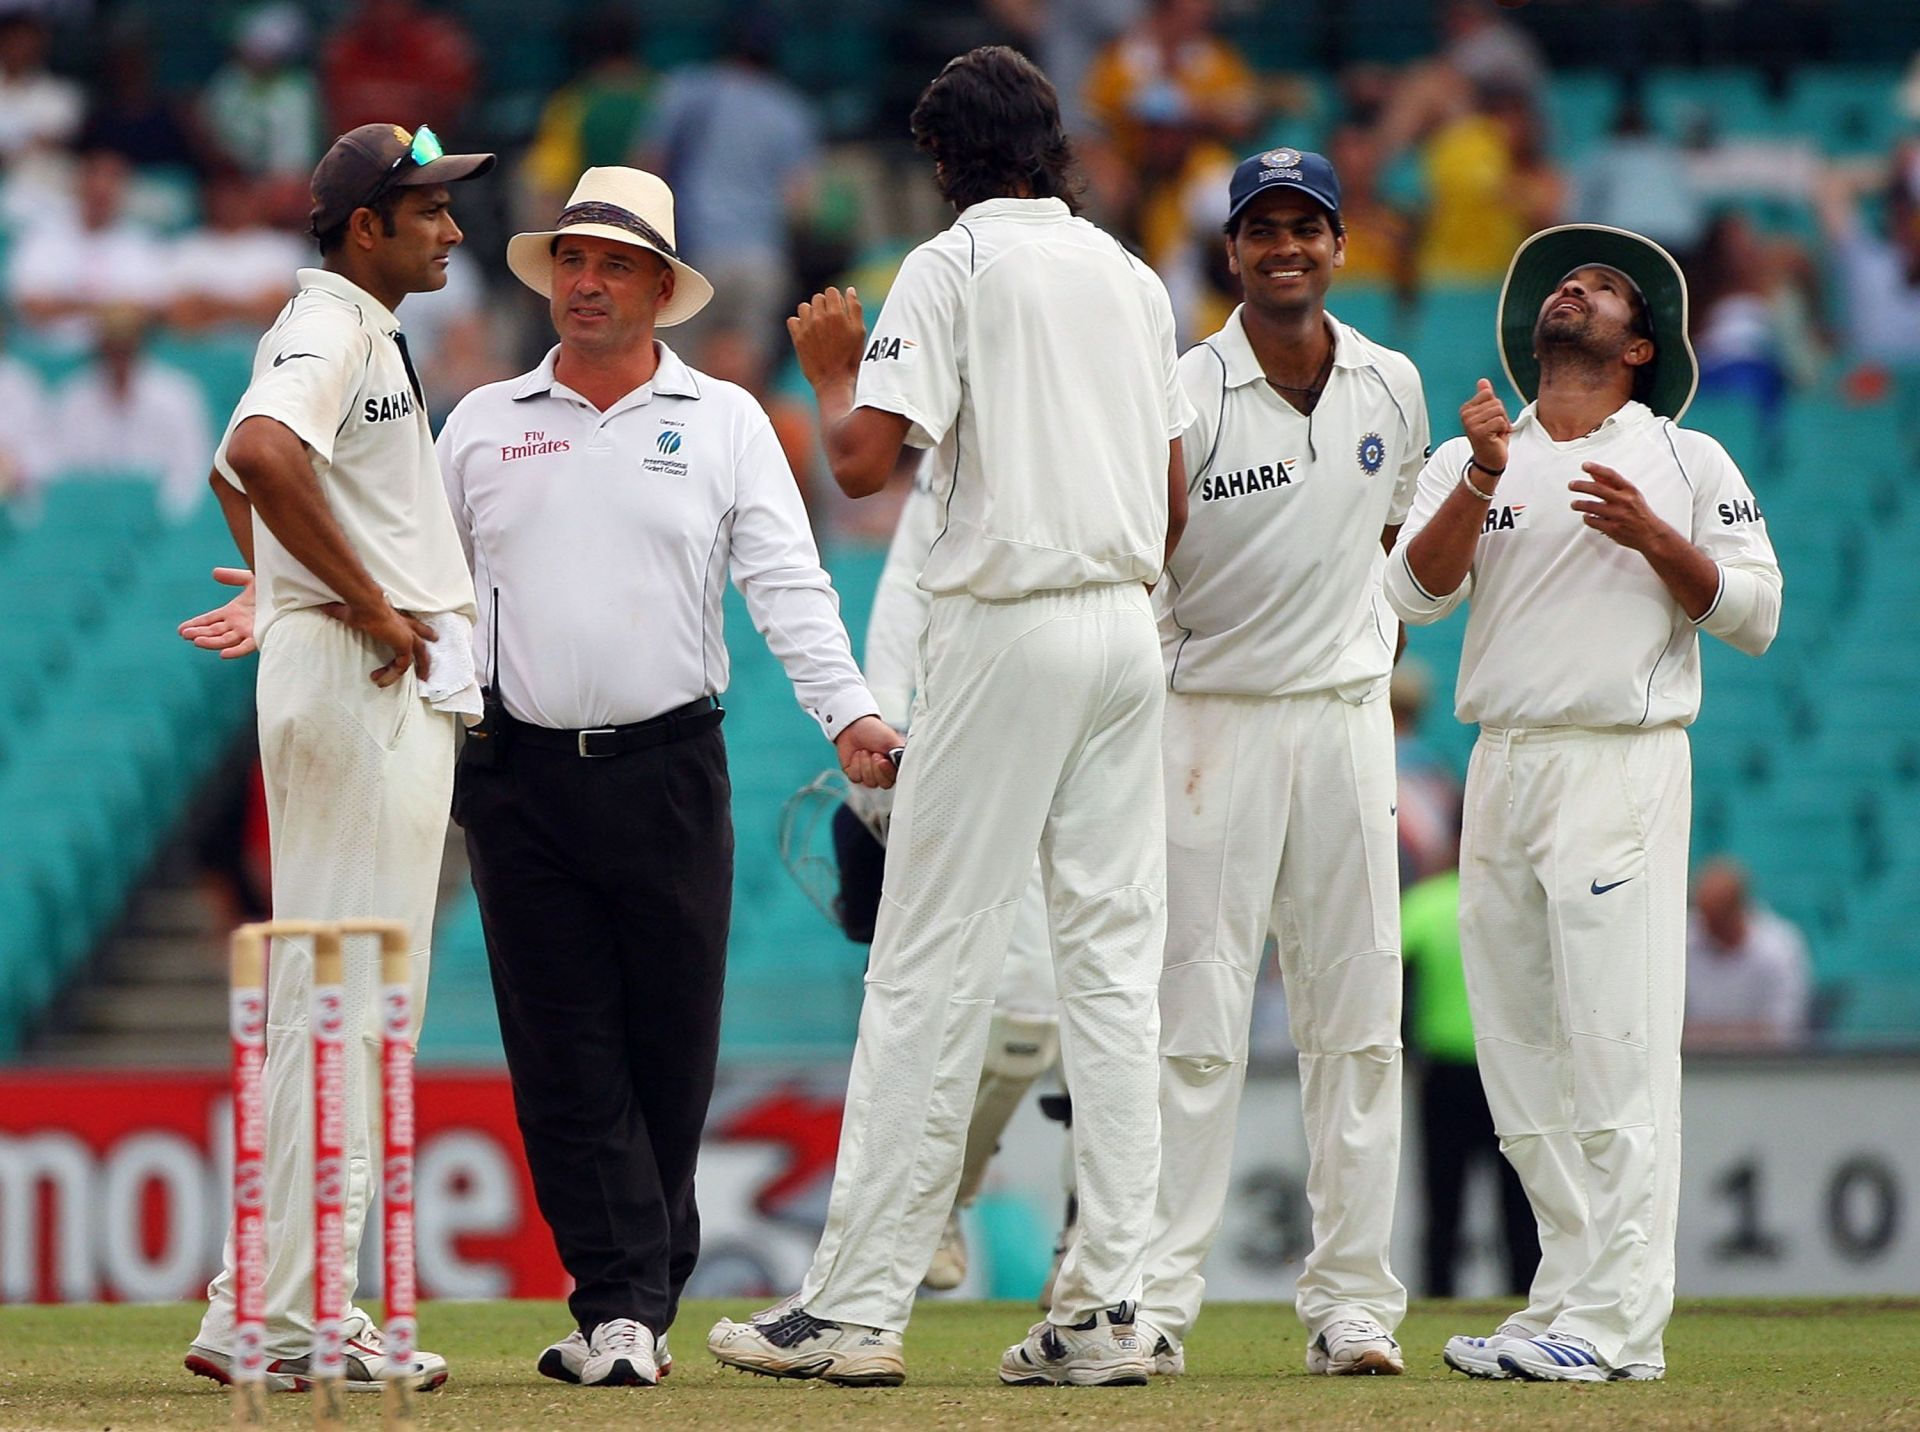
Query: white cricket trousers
<point x="1280" y="821"/>
<point x="1037" y="728"/>
<point x="358" y="781"/>
<point x="1573" y="904"/>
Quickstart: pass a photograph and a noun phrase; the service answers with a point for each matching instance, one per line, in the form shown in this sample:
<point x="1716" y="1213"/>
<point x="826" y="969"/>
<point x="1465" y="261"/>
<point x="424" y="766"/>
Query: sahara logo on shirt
<point x="1743" y="509"/>
<point x="1371" y="452"/>
<point x="1506" y="519"/>
<point x="893" y="348"/>
<point x="1264" y="478"/>
<point x="389" y="408"/>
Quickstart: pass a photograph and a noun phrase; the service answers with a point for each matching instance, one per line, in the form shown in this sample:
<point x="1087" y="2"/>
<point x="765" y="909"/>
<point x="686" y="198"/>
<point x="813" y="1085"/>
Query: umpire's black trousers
<point x="605" y="888"/>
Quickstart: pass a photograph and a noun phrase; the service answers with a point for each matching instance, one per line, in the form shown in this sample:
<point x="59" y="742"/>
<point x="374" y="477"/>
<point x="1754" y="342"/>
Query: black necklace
<point x="1313" y="390"/>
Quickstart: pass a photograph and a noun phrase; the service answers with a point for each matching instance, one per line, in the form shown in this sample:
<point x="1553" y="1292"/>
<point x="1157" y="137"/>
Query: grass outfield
<point x="1735" y="1364"/>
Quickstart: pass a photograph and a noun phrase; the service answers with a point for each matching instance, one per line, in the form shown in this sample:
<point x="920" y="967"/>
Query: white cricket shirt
<point x="900" y="605"/>
<point x="1036" y="355"/>
<point x="609" y="536"/>
<point x="1274" y="589"/>
<point x="331" y="370"/>
<point x="1568" y="628"/>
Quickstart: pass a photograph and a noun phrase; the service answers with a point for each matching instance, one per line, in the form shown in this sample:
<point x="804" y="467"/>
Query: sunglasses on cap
<point x="426" y="148"/>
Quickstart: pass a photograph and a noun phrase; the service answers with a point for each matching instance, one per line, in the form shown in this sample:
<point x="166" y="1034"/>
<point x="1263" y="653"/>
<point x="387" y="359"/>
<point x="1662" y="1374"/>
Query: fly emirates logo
<point x="533" y="445"/>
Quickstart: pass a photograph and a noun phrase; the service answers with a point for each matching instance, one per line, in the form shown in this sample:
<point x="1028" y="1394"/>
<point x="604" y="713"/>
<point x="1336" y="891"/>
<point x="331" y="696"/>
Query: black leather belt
<point x="599" y="741"/>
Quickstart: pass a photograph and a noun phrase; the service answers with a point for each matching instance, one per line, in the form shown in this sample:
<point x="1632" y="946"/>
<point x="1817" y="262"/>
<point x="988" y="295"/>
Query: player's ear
<point x="1233" y="258"/>
<point x="1638" y="352"/>
<point x="1339" y="248"/>
<point x="668" y="278"/>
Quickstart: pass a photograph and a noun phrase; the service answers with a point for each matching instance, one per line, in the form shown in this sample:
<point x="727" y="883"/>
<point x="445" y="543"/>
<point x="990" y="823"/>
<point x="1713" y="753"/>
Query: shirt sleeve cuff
<point x="843" y="708"/>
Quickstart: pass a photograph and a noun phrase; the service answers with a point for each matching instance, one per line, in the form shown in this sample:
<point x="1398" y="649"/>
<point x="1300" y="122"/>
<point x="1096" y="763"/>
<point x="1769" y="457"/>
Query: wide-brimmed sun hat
<point x="1543" y="262"/>
<point x="627" y="206"/>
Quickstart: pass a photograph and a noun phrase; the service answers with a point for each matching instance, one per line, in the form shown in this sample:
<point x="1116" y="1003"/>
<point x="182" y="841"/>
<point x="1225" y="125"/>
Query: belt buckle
<point x="582" y="743"/>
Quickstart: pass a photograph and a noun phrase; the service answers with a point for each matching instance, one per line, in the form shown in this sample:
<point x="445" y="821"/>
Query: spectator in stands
<point x="1456" y="1127"/>
<point x="1489" y="185"/>
<point x="127" y="414"/>
<point x="66" y="269"/>
<point x="1749" y="981"/>
<point x="1638" y="180"/>
<point x="261" y="109"/>
<point x="1170" y="58"/>
<point x="1065" y="37"/>
<point x="1382" y="238"/>
<point x="1178" y="210"/>
<point x="597" y="118"/>
<point x="129" y="114"/>
<point x="1878" y="272"/>
<point x="233" y="271"/>
<point x="395" y="58"/>
<point x="23" y="426"/>
<point x="740" y="148"/>
<point x="1481" y="52"/>
<point x="1429" y="792"/>
<point x="38" y="110"/>
<point x="1752" y="306"/>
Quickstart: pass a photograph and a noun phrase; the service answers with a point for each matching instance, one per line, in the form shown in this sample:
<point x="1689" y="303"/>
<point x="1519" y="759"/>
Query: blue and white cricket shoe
<point x="1560" y="1357"/>
<point x="1480" y="1357"/>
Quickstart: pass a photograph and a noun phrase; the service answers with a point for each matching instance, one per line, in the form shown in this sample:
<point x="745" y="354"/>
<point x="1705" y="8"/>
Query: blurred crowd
<point x="130" y="213"/>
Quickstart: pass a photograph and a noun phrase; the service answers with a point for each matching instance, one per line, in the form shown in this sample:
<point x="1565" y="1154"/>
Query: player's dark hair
<point x="1232" y="227"/>
<point x="991" y="120"/>
<point x="1640" y="325"/>
<point x="386" y="205"/>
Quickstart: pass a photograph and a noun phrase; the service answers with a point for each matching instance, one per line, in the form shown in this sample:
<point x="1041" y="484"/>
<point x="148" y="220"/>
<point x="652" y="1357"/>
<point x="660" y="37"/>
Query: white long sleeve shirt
<point x="608" y="537"/>
<point x="1568" y="628"/>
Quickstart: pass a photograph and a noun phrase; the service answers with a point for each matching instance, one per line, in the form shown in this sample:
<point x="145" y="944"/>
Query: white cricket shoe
<point x="366" y="1364"/>
<point x="1169" y="1359"/>
<point x="1561" y="1357"/>
<point x="563" y="1360"/>
<point x="948" y="1270"/>
<point x="1103" y="1351"/>
<point x="1480" y="1357"/>
<point x="619" y="1354"/>
<point x="1354" y="1347"/>
<point x="788" y="1341"/>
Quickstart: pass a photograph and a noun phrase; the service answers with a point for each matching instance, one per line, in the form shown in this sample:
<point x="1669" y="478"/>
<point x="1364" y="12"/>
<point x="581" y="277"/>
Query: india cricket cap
<point x="1309" y="173"/>
<point x="625" y="206"/>
<point x="365" y="163"/>
<point x="1541" y="265"/>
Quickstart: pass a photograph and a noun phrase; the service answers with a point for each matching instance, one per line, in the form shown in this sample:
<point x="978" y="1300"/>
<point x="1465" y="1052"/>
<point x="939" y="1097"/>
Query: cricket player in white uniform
<point x="1279" y="765"/>
<point x="1023" y="1041"/>
<point x="1594" y="539"/>
<point x="328" y="480"/>
<point x="1036" y="356"/>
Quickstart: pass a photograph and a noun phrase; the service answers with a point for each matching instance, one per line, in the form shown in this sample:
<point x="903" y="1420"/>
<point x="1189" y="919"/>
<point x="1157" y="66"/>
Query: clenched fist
<point x="1483" y="418"/>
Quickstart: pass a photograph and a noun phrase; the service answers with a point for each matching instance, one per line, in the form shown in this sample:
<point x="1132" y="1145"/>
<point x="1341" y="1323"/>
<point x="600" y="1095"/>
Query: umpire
<point x="603" y="499"/>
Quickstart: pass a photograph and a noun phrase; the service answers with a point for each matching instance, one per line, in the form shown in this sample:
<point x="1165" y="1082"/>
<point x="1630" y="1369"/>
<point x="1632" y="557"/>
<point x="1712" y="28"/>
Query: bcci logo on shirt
<point x="668" y="442"/>
<point x="1372" y="452"/>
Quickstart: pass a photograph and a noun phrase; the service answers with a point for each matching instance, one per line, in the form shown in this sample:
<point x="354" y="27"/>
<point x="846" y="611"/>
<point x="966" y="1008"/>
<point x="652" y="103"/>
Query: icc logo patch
<point x="1372" y="453"/>
<point x="668" y="442"/>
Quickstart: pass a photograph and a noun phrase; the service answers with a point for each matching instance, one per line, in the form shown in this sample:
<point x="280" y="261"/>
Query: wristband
<point x="1467" y="482"/>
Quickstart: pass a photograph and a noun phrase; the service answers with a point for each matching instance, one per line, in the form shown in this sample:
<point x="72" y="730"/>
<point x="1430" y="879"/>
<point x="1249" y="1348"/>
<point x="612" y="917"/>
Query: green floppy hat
<point x="1549" y="256"/>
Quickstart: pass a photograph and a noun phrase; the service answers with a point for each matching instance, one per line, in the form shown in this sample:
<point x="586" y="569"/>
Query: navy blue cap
<point x="1309" y="173"/>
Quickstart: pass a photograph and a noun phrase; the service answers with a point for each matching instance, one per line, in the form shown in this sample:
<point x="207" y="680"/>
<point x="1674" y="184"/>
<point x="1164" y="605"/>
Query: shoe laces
<point x="1355" y="1329"/>
<point x="618" y="1335"/>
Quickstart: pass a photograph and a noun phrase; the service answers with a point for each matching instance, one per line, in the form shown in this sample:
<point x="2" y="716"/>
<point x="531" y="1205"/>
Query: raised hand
<point x="1483" y="418"/>
<point x="829" y="336"/>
